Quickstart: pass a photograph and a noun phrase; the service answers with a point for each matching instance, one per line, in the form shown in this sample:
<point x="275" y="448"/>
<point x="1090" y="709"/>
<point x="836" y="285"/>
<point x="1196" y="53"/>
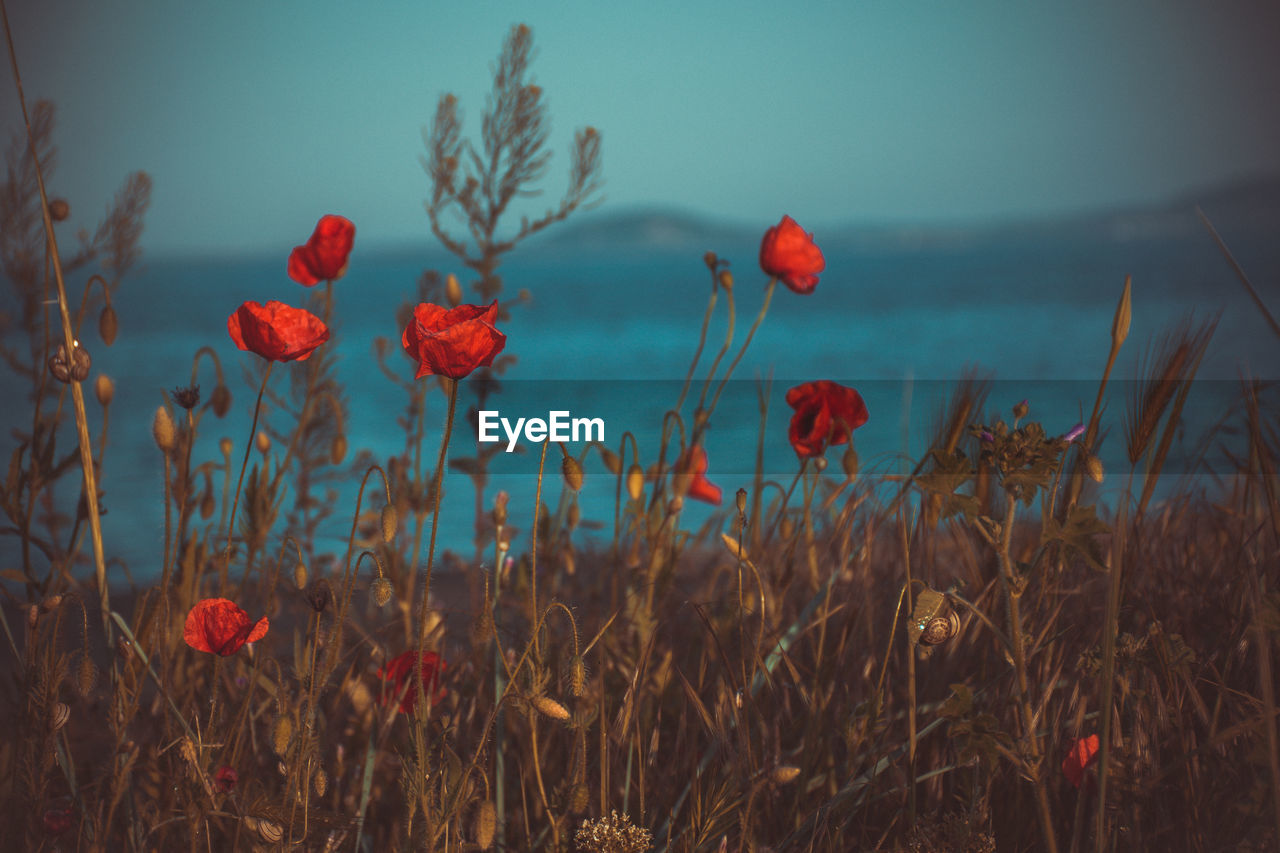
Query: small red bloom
<point x="1083" y="753"/>
<point x="56" y="821"/>
<point x="789" y="253"/>
<point x="453" y="342"/>
<point x="399" y="671"/>
<point x="219" y="627"/>
<point x="324" y="257"/>
<point x="225" y="779"/>
<point x="276" y="331"/>
<point x="826" y="413"/>
<point x="693" y="462"/>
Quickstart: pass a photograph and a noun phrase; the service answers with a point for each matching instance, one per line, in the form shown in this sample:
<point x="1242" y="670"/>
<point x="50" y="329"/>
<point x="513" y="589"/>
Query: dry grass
<point x="855" y="661"/>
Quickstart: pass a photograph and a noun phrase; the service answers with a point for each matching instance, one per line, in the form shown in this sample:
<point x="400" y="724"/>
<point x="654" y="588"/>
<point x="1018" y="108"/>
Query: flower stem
<point x="438" y="482"/>
<point x="235" y="504"/>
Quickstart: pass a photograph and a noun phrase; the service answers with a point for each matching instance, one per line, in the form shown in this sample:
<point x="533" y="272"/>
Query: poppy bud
<point x="676" y="505"/>
<point x="525" y="295"/>
<point x="320" y="596"/>
<point x="452" y="290"/>
<point x="783" y="774"/>
<point x="574" y="516"/>
<point x="389" y="522"/>
<point x="1093" y="467"/>
<point x="163" y="430"/>
<point x="105" y="389"/>
<point x="220" y="400"/>
<point x="207" y="504"/>
<point x="635" y="482"/>
<point x="486" y="825"/>
<point x="338" y="450"/>
<point x="710" y="260"/>
<point x="820" y="463"/>
<point x="500" y="508"/>
<point x="1020" y="410"/>
<point x="726" y="279"/>
<point x="572" y="470"/>
<point x="740" y="500"/>
<point x="849" y="462"/>
<point x="226" y="446"/>
<point x="300" y="575"/>
<point x="59" y="209"/>
<point x="612" y="462"/>
<point x="380" y="591"/>
<point x="263" y="441"/>
<point x="108" y="325"/>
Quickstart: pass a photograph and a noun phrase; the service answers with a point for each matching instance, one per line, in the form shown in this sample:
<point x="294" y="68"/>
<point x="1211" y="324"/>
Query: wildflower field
<point x="966" y="652"/>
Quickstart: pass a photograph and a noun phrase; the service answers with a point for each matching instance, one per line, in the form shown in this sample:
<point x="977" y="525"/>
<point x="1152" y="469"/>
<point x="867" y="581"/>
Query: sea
<point x="610" y="323"/>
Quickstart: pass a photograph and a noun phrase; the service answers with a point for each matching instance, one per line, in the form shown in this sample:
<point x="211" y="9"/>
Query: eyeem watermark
<point x="558" y="426"/>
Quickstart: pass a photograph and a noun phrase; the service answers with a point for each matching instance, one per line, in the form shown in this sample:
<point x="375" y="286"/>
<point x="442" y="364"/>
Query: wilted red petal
<point x="789" y="253"/>
<point x="225" y="779"/>
<point x="1083" y="753"/>
<point x="452" y="342"/>
<point x="276" y="331"/>
<point x="826" y="414"/>
<point x="220" y="627"/>
<point x="399" y="672"/>
<point x="694" y="463"/>
<point x="324" y="256"/>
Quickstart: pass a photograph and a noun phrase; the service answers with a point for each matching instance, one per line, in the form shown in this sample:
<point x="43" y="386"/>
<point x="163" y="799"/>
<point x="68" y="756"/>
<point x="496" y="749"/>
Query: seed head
<point x="186" y="397"/>
<point x="381" y="591"/>
<point x="320" y="595"/>
<point x="577" y="676"/>
<point x="784" y="774"/>
<point x="551" y="708"/>
<point x="108" y="325"/>
<point x="86" y="676"/>
<point x="105" y="389"/>
<point x="162" y="428"/>
<point x="485" y="824"/>
<point x="572" y="470"/>
<point x="281" y="734"/>
<point x="390" y="521"/>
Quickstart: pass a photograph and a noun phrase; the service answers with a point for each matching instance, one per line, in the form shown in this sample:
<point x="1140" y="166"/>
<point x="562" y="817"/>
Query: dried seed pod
<point x="390" y="521"/>
<point x="486" y="824"/>
<point x="320" y="595"/>
<point x="67" y="368"/>
<point x="281" y="734"/>
<point x="452" y="290"/>
<point x="58" y="716"/>
<point x="162" y="428"/>
<point x="635" y="482"/>
<point x="784" y="774"/>
<point x="59" y="209"/>
<point x="579" y="798"/>
<point x="338" y="450"/>
<point x="612" y="462"/>
<point x="550" y="708"/>
<point x="577" y="676"/>
<point x="86" y="676"/>
<point x="1093" y="467"/>
<point x="108" y="325"/>
<point x="381" y="591"/>
<point x="572" y="470"/>
<point x="105" y="389"/>
<point x="220" y="400"/>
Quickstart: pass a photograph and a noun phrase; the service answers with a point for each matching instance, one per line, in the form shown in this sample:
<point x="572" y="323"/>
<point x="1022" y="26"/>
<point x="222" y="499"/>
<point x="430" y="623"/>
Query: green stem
<point x="437" y="484"/>
<point x="235" y="504"/>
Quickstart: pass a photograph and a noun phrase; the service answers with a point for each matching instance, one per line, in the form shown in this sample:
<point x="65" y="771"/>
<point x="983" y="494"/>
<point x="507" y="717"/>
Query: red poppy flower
<point x="225" y="779"/>
<point x="453" y="342"/>
<point x="1083" y="753"/>
<point x="826" y="413"/>
<point x="324" y="257"/>
<point x="693" y="462"/>
<point x="276" y="331"/>
<point x="789" y="253"/>
<point x="219" y="627"/>
<point x="399" y="671"/>
<point x="56" y="821"/>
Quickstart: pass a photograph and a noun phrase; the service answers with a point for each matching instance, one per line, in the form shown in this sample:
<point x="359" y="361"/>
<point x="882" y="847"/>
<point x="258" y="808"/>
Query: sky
<point x="254" y="118"/>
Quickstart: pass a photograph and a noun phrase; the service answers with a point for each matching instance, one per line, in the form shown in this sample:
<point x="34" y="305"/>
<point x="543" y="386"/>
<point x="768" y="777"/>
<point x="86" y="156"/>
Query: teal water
<point x="610" y="332"/>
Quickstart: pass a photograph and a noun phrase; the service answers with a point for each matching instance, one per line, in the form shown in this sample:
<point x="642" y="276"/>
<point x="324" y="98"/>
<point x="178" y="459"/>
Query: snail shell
<point x="75" y="367"/>
<point x="939" y="629"/>
<point x="58" y="716"/>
